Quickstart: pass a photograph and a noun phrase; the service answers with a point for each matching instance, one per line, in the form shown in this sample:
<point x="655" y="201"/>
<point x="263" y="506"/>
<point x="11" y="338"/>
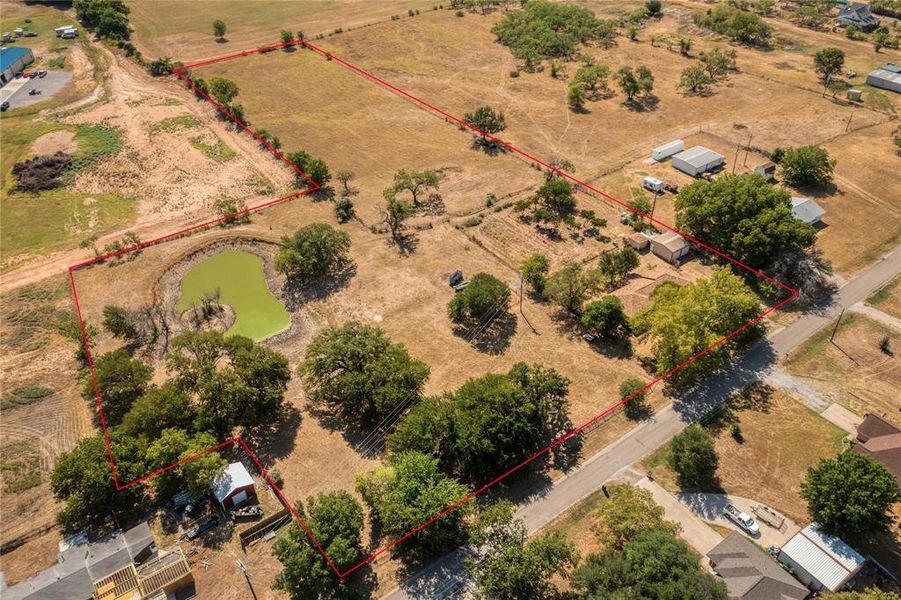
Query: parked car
<point x="34" y="92"/>
<point x="31" y="34"/>
<point x="201" y="527"/>
<point x="742" y="519"/>
<point x="42" y="74"/>
<point x="4" y="106"/>
<point x="33" y="74"/>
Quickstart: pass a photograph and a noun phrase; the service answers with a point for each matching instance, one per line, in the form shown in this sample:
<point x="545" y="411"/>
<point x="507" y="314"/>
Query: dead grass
<point x="782" y="438"/>
<point x="853" y="370"/>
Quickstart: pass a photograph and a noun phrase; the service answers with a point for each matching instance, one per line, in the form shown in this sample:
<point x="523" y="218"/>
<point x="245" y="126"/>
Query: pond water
<point x="242" y="285"/>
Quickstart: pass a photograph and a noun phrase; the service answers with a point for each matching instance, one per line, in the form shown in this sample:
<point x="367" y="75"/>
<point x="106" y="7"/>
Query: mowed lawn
<point x="184" y="30"/>
<point x="781" y="439"/>
<point x="852" y="367"/>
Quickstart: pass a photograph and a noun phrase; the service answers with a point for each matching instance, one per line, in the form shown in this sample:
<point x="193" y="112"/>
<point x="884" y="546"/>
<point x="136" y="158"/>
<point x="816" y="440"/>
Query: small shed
<point x="767" y="169"/>
<point x="233" y="486"/>
<point x="855" y="95"/>
<point x="669" y="246"/>
<point x="820" y="560"/>
<point x="887" y="78"/>
<point x="805" y="209"/>
<point x="697" y="160"/>
<point x="666" y="150"/>
<point x="637" y="241"/>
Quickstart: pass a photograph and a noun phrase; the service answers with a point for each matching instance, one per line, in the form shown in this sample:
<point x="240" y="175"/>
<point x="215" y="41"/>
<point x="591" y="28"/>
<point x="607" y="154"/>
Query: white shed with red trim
<point x="233" y="486"/>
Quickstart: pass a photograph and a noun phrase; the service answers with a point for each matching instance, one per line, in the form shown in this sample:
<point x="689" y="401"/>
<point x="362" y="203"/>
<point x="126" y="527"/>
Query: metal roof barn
<point x="697" y="160"/>
<point x="887" y="78"/>
<point x="805" y="209"/>
<point x="820" y="560"/>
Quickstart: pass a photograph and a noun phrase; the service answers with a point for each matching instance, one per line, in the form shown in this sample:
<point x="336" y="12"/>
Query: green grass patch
<point x="881" y="295"/>
<point x="220" y="152"/>
<point x="57" y="63"/>
<point x="173" y="124"/>
<point x="20" y="463"/>
<point x="24" y="395"/>
<point x="876" y="98"/>
<point x="238" y="277"/>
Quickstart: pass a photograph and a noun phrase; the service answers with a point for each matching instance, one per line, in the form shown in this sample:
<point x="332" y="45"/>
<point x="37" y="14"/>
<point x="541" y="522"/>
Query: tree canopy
<point x="571" y="286"/>
<point x="313" y="252"/>
<point x="223" y="90"/>
<point x="174" y="445"/>
<point x="157" y="409"/>
<point x="692" y="455"/>
<point x="628" y="512"/>
<point x="415" y="182"/>
<point x="83" y="479"/>
<point x="736" y="24"/>
<point x="486" y="120"/>
<point x="315" y="168"/>
<point x="109" y="18"/>
<point x="336" y="521"/>
<point x="684" y="321"/>
<point x="410" y="491"/>
<point x="850" y="495"/>
<point x="743" y="216"/>
<point x="828" y="62"/>
<point x="245" y="390"/>
<point x="485" y="297"/>
<point x="806" y="166"/>
<point x="534" y="272"/>
<point x="121" y="381"/>
<point x="605" y="318"/>
<point x="358" y="370"/>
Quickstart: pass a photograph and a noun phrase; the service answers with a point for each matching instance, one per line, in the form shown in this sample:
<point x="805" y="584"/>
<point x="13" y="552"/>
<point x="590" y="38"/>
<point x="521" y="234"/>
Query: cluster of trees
<point x="336" y="521"/>
<point x="218" y="384"/>
<point x="313" y="252"/>
<point x="109" y="18"/>
<point x="747" y="218"/>
<point x="635" y="83"/>
<point x="643" y="557"/>
<point x="489" y="424"/>
<point x="543" y="29"/>
<point x="224" y="90"/>
<point x="685" y="320"/>
<point x="315" y="168"/>
<point x="555" y="203"/>
<point x="358" y="372"/>
<point x="712" y="66"/>
<point x="805" y="165"/>
<point x="889" y="8"/>
<point x="485" y="297"/>
<point x="736" y="24"/>
<point x="589" y="83"/>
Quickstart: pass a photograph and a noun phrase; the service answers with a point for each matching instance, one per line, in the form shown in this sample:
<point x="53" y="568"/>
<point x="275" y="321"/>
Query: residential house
<point x="881" y="441"/>
<point x="858" y="15"/>
<point x="821" y="561"/>
<point x="751" y="574"/>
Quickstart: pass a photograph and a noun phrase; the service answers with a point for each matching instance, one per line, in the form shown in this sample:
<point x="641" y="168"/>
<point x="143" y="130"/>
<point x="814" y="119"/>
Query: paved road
<point x="445" y="575"/>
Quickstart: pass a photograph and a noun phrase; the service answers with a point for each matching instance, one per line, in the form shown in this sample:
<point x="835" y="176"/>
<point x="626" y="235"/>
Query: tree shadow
<point x="432" y="206"/>
<point x="493" y="338"/>
<point x="274" y="443"/>
<point x="643" y="104"/>
<point x="222" y="40"/>
<point x="406" y="243"/>
<point x="580" y="110"/>
<point x="297" y="294"/>
<point x="489" y="147"/>
<point x="638" y="409"/>
<point x="619" y="348"/>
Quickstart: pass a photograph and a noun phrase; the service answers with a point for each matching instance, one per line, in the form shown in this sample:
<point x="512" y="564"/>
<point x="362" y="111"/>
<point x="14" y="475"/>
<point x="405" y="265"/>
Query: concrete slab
<point x="839" y="415"/>
<point x="709" y="508"/>
<point x="49" y="85"/>
<point x="695" y="531"/>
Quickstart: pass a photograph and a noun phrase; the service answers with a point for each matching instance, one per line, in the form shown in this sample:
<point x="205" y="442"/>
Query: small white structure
<point x="64" y="29"/>
<point x="666" y="150"/>
<point x="653" y="184"/>
<point x="697" y="160"/>
<point x="767" y="169"/>
<point x="820" y="560"/>
<point x="887" y="78"/>
<point x="233" y="485"/>
<point x="669" y="246"/>
<point x="805" y="209"/>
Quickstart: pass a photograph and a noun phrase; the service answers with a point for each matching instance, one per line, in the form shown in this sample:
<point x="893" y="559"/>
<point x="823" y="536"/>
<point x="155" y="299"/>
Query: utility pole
<point x="520" y="294"/>
<point x="243" y="568"/>
<point x="848" y="126"/>
<point x="654" y="205"/>
<point x="748" y="148"/>
<point x="735" y="160"/>
<point x="837" y="323"/>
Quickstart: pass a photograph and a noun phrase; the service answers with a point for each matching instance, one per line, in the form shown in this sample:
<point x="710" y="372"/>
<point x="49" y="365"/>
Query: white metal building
<point x="820" y="560"/>
<point x="887" y="78"/>
<point x="670" y="246"/>
<point x="666" y="150"/>
<point x="697" y="160"/>
<point x="233" y="485"/>
<point x="805" y="209"/>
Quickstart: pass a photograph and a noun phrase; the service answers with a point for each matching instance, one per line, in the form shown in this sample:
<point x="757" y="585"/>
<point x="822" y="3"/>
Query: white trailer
<point x="653" y="184"/>
<point x="666" y="150"/>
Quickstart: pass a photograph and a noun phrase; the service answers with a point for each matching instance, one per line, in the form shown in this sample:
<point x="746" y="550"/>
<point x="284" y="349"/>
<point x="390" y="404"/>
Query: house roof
<point x="805" y="209"/>
<point x="881" y="441"/>
<point x="889" y="74"/>
<point x="232" y="477"/>
<point x="750" y="574"/>
<point x="10" y="55"/>
<point x="699" y="156"/>
<point x="831" y="561"/>
<point x="670" y="240"/>
<point x="80" y="565"/>
<point x="767" y="166"/>
<point x="857" y="11"/>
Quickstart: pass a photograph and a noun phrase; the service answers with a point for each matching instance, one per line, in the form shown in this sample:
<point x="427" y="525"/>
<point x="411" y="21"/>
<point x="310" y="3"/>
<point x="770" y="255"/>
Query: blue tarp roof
<point x="10" y="55"/>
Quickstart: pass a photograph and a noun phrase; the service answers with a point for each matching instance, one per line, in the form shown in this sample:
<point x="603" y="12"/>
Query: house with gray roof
<point x="750" y="574"/>
<point x="857" y="14"/>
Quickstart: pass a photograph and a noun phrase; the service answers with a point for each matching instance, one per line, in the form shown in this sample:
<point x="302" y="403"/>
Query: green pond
<point x="242" y="285"/>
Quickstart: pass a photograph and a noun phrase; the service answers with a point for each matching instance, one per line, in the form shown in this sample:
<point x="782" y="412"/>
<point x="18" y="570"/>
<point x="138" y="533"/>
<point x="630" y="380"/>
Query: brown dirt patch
<point x="61" y="140"/>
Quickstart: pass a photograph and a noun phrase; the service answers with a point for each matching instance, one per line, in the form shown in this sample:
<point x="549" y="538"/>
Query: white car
<point x="742" y="519"/>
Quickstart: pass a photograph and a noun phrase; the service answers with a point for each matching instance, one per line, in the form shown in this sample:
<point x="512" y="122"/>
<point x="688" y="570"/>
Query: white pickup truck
<point x="742" y="519"/>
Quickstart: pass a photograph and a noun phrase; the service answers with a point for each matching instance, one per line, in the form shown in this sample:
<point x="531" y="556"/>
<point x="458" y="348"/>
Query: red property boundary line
<point x="179" y="72"/>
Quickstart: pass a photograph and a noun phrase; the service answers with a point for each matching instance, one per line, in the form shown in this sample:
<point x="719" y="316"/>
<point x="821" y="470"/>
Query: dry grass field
<point x="771" y="461"/>
<point x="166" y="28"/>
<point x="852" y="370"/>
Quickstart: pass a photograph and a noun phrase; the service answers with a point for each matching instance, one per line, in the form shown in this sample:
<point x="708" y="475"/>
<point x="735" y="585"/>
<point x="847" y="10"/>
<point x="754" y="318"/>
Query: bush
<point x="344" y="209"/>
<point x="693" y="457"/>
<point x="534" y="272"/>
<point x="605" y="318"/>
<point x="313" y="251"/>
<point x="637" y="408"/>
<point x="484" y="297"/>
